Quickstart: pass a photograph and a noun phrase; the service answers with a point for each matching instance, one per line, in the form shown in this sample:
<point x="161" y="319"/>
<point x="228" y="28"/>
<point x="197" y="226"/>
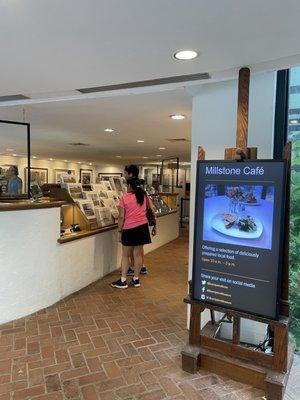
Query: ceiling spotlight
<point x="118" y="156"/>
<point x="90" y="163"/>
<point x="158" y="155"/>
<point x="50" y="159"/>
<point x="79" y="162"/>
<point x="34" y="156"/>
<point x="15" y="155"/>
<point x="177" y="116"/>
<point x="161" y="148"/>
<point x="140" y="141"/>
<point x="186" y="55"/>
<point x="66" y="161"/>
<point x="145" y="157"/>
<point x="109" y="130"/>
<point x="293" y="121"/>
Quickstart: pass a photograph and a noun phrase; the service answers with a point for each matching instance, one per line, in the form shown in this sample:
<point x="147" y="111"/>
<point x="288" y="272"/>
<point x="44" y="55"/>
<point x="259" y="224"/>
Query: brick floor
<point x="104" y="343"/>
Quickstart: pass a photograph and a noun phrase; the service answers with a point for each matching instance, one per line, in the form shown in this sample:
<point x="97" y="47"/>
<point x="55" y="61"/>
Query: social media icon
<point x="203" y="282"/>
<point x="202" y="297"/>
<point x="203" y="289"/>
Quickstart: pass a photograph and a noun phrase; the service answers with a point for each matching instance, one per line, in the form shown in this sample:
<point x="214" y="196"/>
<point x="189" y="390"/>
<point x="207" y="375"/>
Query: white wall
<point x="214" y="124"/>
<point x="36" y="271"/>
<point x="167" y="230"/>
<point x="21" y="162"/>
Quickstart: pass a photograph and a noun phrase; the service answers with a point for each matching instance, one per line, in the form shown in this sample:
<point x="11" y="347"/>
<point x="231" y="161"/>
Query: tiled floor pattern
<point x="104" y="343"/>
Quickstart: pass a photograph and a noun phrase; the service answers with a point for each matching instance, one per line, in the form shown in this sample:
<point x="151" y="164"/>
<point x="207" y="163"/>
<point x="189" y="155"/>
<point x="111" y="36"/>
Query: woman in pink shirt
<point x="133" y="230"/>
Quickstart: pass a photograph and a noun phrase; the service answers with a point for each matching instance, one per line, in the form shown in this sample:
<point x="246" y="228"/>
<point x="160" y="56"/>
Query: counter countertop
<point x="29" y="205"/>
<point x="83" y="234"/>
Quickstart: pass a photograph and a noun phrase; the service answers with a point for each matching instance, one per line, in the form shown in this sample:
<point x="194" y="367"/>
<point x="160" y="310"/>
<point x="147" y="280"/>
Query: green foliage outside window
<point x="295" y="244"/>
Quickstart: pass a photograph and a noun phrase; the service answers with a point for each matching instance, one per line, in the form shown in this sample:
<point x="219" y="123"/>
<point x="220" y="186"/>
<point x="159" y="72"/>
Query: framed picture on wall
<point x="105" y="176"/>
<point x="65" y="175"/>
<point x="38" y="175"/>
<point x="86" y="176"/>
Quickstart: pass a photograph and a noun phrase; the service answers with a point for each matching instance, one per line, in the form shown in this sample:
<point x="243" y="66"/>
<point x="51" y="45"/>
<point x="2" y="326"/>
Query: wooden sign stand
<point x="266" y="371"/>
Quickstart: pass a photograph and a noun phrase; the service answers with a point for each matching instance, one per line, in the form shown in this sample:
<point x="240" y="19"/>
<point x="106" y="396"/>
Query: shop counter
<point x="16" y="205"/>
<point x="38" y="268"/>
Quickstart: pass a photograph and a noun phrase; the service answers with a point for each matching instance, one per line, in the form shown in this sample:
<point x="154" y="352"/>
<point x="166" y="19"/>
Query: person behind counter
<point x="15" y="183"/>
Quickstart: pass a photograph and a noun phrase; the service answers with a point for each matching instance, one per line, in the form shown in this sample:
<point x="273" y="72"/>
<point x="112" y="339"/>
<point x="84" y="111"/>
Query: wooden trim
<point x="280" y="348"/>
<point x="236" y="330"/>
<point x="283" y="321"/>
<point x="226" y="348"/>
<point x="195" y="324"/>
<point x="201" y="153"/>
<point x="84" y="234"/>
<point x="29" y="205"/>
<point x="168" y="213"/>
<point x="242" y="111"/>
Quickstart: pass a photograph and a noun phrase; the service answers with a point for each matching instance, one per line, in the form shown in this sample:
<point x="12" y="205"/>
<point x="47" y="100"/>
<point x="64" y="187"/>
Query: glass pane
<point x="294" y="137"/>
<point x="13" y="161"/>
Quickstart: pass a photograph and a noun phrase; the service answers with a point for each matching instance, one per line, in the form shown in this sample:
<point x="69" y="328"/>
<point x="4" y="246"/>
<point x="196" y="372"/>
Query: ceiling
<point x="50" y="48"/>
<point x="146" y="116"/>
<point x="53" y="46"/>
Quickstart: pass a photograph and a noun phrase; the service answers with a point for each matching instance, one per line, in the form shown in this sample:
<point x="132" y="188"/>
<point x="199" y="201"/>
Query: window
<point x="293" y="135"/>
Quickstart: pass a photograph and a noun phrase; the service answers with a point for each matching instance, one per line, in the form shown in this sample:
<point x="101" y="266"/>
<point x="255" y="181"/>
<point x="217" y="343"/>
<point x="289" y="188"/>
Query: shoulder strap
<point x="147" y="201"/>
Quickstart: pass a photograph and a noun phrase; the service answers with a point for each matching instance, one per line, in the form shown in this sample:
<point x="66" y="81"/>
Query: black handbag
<point x="150" y="213"/>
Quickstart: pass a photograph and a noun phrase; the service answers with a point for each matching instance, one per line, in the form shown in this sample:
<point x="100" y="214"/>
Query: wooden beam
<point x="201" y="153"/>
<point x="242" y="112"/>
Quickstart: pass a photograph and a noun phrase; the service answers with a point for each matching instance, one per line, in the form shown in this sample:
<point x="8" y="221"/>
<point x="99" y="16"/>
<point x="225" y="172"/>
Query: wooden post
<point x="242" y="111"/>
<point x="201" y="153"/>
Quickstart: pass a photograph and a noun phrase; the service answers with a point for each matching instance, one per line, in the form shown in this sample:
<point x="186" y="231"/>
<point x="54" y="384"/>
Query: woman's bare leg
<point x="137" y="257"/>
<point x="126" y="251"/>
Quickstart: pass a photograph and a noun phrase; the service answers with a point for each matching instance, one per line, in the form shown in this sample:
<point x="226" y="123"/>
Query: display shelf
<point x="171" y="199"/>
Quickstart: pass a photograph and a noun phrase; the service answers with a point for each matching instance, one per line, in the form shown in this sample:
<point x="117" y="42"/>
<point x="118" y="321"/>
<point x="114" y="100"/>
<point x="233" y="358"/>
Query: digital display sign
<point x="238" y="238"/>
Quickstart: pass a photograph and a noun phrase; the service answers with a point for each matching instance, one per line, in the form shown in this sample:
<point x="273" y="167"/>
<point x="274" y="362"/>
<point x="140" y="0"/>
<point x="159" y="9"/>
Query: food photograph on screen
<point x="239" y="214"/>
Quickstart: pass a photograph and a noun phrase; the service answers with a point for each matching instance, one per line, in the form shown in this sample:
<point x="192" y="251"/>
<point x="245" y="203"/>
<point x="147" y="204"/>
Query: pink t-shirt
<point x="134" y="213"/>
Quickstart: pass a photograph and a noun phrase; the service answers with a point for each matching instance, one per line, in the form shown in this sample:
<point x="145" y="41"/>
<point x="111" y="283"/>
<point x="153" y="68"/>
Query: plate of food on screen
<point x="231" y="224"/>
<point x="250" y="199"/>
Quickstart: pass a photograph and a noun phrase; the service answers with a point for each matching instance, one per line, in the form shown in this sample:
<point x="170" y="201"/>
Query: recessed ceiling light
<point x="158" y="155"/>
<point x="34" y="156"/>
<point x="50" y="159"/>
<point x="118" y="156"/>
<point x="161" y="148"/>
<point x="66" y="161"/>
<point x="293" y="121"/>
<point x="15" y="155"/>
<point x="145" y="157"/>
<point x="177" y="116"/>
<point x="90" y="163"/>
<point x="186" y="55"/>
<point x="140" y="141"/>
<point x="109" y="130"/>
<point x="10" y="149"/>
<point x="79" y="162"/>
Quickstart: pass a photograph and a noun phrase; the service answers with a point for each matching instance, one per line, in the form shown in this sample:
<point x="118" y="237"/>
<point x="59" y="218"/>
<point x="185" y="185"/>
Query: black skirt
<point x="137" y="236"/>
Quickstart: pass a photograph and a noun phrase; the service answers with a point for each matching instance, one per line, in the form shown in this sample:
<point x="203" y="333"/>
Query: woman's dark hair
<point x="132" y="170"/>
<point x="137" y="190"/>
